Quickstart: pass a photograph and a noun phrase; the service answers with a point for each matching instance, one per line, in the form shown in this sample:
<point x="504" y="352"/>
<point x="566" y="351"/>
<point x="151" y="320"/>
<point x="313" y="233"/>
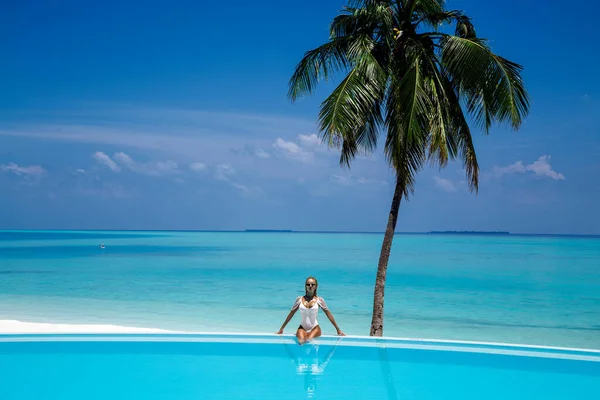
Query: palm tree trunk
<point x="386" y="247"/>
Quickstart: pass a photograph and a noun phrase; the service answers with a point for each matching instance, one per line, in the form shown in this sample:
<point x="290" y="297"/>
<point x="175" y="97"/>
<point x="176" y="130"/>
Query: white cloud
<point x="363" y="181"/>
<point x="349" y="180"/>
<point x="249" y="150"/>
<point x="260" y="153"/>
<point x="80" y="171"/>
<point x="540" y="167"/>
<point x="243" y="188"/>
<point x="445" y="184"/>
<point x="222" y="172"/>
<point x="158" y="168"/>
<point x="123" y="158"/>
<point x="186" y="136"/>
<point x="311" y="141"/>
<point x="303" y="149"/>
<point x="226" y="168"/>
<point x="167" y="166"/>
<point x="32" y="170"/>
<point x="293" y="151"/>
<point x="290" y="147"/>
<point x="517" y="167"/>
<point x="177" y="131"/>
<point x="342" y="180"/>
<point x="246" y="191"/>
<point x="106" y="190"/>
<point x="198" y="167"/>
<point x="106" y="160"/>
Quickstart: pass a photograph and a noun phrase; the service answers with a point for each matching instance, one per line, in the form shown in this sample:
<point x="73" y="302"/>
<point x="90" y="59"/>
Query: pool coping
<point x="462" y="346"/>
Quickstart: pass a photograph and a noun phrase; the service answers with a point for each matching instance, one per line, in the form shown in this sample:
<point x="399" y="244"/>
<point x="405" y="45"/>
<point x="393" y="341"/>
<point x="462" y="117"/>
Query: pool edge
<point x="463" y="346"/>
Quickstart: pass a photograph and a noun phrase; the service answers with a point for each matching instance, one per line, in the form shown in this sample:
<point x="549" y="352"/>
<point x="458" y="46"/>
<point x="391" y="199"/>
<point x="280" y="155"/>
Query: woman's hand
<point x="340" y="333"/>
<point x="279" y="332"/>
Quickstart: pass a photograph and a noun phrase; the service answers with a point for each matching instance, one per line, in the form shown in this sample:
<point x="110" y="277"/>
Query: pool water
<point x="226" y="366"/>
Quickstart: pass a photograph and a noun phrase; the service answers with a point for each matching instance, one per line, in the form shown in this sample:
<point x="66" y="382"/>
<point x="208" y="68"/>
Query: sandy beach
<point x="14" y="326"/>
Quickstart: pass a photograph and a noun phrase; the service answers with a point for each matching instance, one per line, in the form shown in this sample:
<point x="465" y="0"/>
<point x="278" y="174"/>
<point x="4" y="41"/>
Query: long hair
<point x="316" y="285"/>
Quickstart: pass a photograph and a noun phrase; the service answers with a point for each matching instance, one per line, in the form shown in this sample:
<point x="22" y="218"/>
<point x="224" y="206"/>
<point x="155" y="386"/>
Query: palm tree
<point x="407" y="75"/>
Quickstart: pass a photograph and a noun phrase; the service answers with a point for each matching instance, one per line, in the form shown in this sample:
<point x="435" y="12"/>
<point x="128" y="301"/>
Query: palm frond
<point x="491" y="85"/>
<point x="407" y="122"/>
<point x="348" y="151"/>
<point x="421" y="8"/>
<point x="316" y="65"/>
<point x="467" y="151"/>
<point x="450" y="135"/>
<point x="349" y="118"/>
<point x="373" y="19"/>
<point x="363" y="140"/>
<point x="419" y="87"/>
<point x="366" y="3"/>
<point x="440" y="137"/>
<point x="344" y="24"/>
<point x="464" y="27"/>
<point x="442" y="144"/>
<point x="461" y="136"/>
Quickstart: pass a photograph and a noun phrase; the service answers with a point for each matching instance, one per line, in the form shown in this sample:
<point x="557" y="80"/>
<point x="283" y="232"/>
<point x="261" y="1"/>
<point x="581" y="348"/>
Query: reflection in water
<point x="388" y="378"/>
<point x="310" y="363"/>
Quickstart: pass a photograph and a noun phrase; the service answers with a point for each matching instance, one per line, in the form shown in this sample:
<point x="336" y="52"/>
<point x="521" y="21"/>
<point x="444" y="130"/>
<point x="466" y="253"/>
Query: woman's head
<point x="311" y="285"/>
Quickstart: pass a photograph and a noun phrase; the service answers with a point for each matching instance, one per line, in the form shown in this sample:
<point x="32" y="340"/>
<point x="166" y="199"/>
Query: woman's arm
<point x="332" y="320"/>
<point x="291" y="314"/>
<point x="289" y="317"/>
<point x="323" y="305"/>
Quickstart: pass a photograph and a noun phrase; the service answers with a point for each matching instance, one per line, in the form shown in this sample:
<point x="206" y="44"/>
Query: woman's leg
<point x="301" y="335"/>
<point x="315" y="332"/>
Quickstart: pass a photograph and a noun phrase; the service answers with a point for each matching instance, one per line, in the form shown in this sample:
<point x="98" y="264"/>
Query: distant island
<point x="469" y="233"/>
<point x="268" y="230"/>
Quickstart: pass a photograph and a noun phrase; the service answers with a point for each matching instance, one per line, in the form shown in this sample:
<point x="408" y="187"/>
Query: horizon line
<point x="436" y="232"/>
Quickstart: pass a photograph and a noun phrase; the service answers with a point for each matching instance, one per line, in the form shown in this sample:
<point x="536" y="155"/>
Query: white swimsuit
<point x="309" y="315"/>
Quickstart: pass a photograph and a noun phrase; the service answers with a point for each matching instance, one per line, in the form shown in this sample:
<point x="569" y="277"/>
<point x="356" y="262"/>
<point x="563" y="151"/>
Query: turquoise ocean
<point x="540" y="290"/>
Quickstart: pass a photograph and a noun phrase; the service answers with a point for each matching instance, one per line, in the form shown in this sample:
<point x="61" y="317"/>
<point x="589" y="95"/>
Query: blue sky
<point x="173" y="115"/>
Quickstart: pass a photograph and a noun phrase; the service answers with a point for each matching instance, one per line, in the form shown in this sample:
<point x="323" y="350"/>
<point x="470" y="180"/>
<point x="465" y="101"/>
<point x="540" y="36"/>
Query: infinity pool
<point x="203" y="366"/>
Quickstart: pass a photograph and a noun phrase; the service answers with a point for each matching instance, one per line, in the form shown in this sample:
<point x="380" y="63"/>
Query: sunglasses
<point x="311" y="284"/>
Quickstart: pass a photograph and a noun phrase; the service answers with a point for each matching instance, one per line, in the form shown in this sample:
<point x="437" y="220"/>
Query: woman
<point x="309" y="307"/>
